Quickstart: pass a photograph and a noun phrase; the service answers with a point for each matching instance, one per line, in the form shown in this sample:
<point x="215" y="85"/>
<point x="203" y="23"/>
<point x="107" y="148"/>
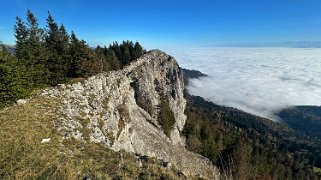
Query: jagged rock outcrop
<point x="120" y="110"/>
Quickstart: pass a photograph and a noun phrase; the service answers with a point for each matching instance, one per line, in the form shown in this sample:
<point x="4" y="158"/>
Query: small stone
<point x="62" y="86"/>
<point x="86" y="111"/>
<point x="21" y="101"/>
<point x="45" y="140"/>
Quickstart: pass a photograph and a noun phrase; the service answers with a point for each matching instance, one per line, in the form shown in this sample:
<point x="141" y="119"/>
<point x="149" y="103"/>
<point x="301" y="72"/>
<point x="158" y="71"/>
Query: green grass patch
<point x="23" y="156"/>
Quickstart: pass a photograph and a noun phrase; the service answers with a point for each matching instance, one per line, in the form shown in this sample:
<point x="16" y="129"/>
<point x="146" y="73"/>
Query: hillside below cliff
<point x="250" y="146"/>
<point x="137" y="110"/>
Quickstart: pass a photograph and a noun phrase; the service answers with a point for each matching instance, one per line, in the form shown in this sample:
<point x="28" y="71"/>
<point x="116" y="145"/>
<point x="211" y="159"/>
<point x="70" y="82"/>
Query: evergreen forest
<point x="48" y="56"/>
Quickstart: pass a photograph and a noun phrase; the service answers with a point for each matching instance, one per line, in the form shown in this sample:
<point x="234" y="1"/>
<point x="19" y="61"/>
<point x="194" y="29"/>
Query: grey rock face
<point x="119" y="109"/>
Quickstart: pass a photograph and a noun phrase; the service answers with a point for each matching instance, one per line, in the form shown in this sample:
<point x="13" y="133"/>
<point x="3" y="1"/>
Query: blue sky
<point x="173" y="23"/>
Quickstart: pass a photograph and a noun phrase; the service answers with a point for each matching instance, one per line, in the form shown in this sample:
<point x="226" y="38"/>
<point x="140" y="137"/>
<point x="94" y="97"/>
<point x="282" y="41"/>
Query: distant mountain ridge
<point x="10" y="48"/>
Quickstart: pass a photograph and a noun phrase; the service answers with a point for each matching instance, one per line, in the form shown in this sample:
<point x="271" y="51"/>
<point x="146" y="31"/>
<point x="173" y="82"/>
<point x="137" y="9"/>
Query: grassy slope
<point x="23" y="156"/>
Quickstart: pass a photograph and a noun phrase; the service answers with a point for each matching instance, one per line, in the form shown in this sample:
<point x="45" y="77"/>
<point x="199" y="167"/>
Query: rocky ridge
<point x="119" y="109"/>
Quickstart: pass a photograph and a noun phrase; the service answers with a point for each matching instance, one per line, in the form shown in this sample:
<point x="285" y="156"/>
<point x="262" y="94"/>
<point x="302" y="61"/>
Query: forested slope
<point x="246" y="146"/>
<point x="304" y="119"/>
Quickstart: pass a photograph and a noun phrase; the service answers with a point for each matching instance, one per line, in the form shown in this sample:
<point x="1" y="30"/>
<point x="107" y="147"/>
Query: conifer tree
<point x="84" y="61"/>
<point x="74" y="54"/>
<point x="64" y="47"/>
<point x="138" y="51"/>
<point x="56" y="43"/>
<point x="125" y="50"/>
<point x="21" y="35"/>
<point x="29" y="48"/>
<point x="14" y="82"/>
<point x="112" y="60"/>
<point x="99" y="51"/>
<point x="35" y="40"/>
<point x="116" y="48"/>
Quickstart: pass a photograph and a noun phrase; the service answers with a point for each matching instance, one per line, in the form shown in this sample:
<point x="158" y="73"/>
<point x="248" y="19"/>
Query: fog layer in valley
<point x="257" y="80"/>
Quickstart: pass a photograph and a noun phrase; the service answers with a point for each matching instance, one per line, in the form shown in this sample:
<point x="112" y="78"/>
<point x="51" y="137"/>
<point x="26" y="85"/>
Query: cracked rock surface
<point x="119" y="109"/>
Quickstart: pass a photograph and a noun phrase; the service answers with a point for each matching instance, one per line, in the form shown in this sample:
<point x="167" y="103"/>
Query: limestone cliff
<point x="120" y="109"/>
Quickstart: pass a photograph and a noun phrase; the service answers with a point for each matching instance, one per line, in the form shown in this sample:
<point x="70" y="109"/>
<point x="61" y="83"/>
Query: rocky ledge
<point x="120" y="110"/>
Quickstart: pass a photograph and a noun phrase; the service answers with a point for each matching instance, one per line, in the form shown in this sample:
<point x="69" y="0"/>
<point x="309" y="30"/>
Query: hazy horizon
<point x="294" y="44"/>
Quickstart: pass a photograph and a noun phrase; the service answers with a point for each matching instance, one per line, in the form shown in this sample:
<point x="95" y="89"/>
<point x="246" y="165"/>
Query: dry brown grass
<point x="124" y="117"/>
<point x="317" y="170"/>
<point x="23" y="156"/>
<point x="75" y="80"/>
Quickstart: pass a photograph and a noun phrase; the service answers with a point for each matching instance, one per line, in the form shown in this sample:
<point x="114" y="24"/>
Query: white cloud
<point x="257" y="80"/>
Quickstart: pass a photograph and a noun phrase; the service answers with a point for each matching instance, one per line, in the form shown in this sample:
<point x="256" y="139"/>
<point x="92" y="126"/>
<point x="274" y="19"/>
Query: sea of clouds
<point x="261" y="81"/>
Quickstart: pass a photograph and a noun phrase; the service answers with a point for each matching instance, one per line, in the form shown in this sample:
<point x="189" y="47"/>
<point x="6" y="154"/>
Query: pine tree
<point x="84" y="61"/>
<point x="30" y="50"/>
<point x="64" y="47"/>
<point x="138" y="51"/>
<point x="100" y="53"/>
<point x="21" y="34"/>
<point x="125" y="50"/>
<point x="130" y="45"/>
<point x="14" y="82"/>
<point x="112" y="60"/>
<point x="116" y="48"/>
<point x="36" y="57"/>
<point x="56" y="43"/>
<point x="35" y="40"/>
